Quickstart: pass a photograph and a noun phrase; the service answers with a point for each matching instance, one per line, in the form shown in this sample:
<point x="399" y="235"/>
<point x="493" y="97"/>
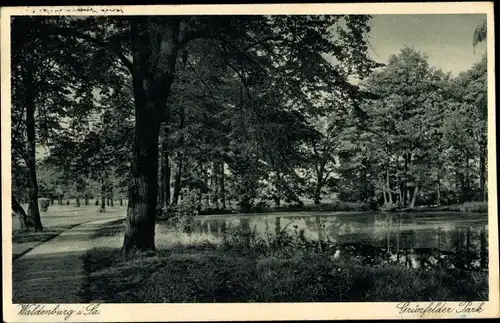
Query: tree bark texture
<point x="152" y="77"/>
<point x="33" y="209"/>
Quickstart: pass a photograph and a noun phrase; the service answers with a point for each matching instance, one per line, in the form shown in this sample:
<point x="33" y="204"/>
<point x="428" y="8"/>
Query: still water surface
<point x="442" y="231"/>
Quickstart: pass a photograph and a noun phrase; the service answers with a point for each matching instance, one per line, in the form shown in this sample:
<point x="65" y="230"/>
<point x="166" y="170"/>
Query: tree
<point x="480" y="34"/>
<point x="400" y="134"/>
<point x="323" y="155"/>
<point x="150" y="48"/>
<point x="476" y="94"/>
<point x="42" y="80"/>
<point x="422" y="140"/>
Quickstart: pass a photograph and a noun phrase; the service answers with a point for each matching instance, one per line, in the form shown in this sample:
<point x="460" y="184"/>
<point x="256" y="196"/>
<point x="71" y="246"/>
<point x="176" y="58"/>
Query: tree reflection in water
<point x="411" y="240"/>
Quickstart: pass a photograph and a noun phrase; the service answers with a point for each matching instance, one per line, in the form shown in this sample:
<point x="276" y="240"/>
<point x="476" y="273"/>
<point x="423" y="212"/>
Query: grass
<point x="21" y="236"/>
<point x="208" y="276"/>
<point x="199" y="268"/>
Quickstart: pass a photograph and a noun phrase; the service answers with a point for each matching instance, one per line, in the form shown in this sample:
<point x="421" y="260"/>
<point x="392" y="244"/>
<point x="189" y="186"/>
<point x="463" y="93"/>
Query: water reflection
<point x="461" y="236"/>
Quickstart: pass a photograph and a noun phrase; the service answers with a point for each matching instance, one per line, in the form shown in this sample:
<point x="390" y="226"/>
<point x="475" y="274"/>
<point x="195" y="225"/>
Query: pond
<point x="438" y="234"/>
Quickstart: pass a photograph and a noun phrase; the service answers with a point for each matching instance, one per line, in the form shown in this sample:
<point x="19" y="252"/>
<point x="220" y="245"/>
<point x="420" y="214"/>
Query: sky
<point x="446" y="39"/>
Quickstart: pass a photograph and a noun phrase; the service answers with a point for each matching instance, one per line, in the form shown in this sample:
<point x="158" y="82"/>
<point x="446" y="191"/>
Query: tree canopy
<point x="233" y="112"/>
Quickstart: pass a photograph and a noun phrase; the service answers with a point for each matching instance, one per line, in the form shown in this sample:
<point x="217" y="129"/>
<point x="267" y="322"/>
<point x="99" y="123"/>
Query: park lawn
<point x="19" y="236"/>
<point x="23" y="241"/>
<point x="55" y="221"/>
<point x="193" y="269"/>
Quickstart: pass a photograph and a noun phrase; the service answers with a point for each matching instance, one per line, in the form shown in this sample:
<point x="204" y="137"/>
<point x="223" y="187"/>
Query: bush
<point x="44" y="204"/>
<point x="179" y="216"/>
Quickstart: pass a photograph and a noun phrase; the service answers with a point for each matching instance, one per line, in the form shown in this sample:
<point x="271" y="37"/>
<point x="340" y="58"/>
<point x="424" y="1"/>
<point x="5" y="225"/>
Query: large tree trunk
<point x="141" y="210"/>
<point x="438" y="189"/>
<point x="399" y="183"/>
<point x="25" y="222"/>
<point x="180" y="160"/>
<point x="319" y="184"/>
<point x="383" y="194"/>
<point x="279" y="186"/>
<point x="222" y="190"/>
<point x="166" y="177"/>
<point x="414" y="197"/>
<point x="317" y="193"/>
<point x="214" y="185"/>
<point x="164" y="198"/>
<point x="482" y="168"/>
<point x="110" y="195"/>
<point x="161" y="188"/>
<point x="33" y="210"/>
<point x="405" y="181"/>
<point x="458" y="185"/>
<point x="77" y="201"/>
<point x="154" y="54"/>
<point x="177" y="180"/>
<point x="388" y="183"/>
<point x="466" y="187"/>
<point x="103" y="195"/>
<point x="205" y="179"/>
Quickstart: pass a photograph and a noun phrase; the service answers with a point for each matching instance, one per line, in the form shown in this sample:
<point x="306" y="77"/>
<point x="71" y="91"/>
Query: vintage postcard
<point x="249" y="162"/>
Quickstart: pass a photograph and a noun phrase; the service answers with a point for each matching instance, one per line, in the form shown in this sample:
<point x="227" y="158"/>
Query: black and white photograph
<point x="322" y="157"/>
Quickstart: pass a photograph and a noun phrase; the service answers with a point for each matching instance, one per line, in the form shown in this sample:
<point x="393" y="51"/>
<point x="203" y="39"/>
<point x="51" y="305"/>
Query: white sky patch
<point x="446" y="39"/>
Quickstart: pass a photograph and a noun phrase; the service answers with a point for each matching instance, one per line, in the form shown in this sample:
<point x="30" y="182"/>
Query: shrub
<point x="44" y="204"/>
<point x="179" y="216"/>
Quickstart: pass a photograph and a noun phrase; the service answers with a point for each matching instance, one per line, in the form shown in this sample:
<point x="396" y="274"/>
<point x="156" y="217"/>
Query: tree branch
<point x="114" y="48"/>
<point x="199" y="77"/>
<point x="261" y="41"/>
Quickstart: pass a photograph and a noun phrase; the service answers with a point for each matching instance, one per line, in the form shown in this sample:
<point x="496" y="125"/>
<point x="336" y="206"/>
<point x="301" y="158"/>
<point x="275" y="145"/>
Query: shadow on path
<point x="53" y="271"/>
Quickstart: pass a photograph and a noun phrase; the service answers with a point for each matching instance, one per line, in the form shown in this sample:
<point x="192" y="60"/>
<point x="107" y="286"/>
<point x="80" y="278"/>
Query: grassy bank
<point x="336" y="206"/>
<point x="340" y="206"/>
<point x="195" y="268"/>
<point x="21" y="236"/>
<point x="467" y="207"/>
<point x="209" y="276"/>
<point x="23" y="241"/>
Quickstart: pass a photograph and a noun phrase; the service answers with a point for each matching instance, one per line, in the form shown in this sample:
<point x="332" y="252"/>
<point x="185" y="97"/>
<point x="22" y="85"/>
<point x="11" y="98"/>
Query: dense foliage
<point x="237" y="113"/>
